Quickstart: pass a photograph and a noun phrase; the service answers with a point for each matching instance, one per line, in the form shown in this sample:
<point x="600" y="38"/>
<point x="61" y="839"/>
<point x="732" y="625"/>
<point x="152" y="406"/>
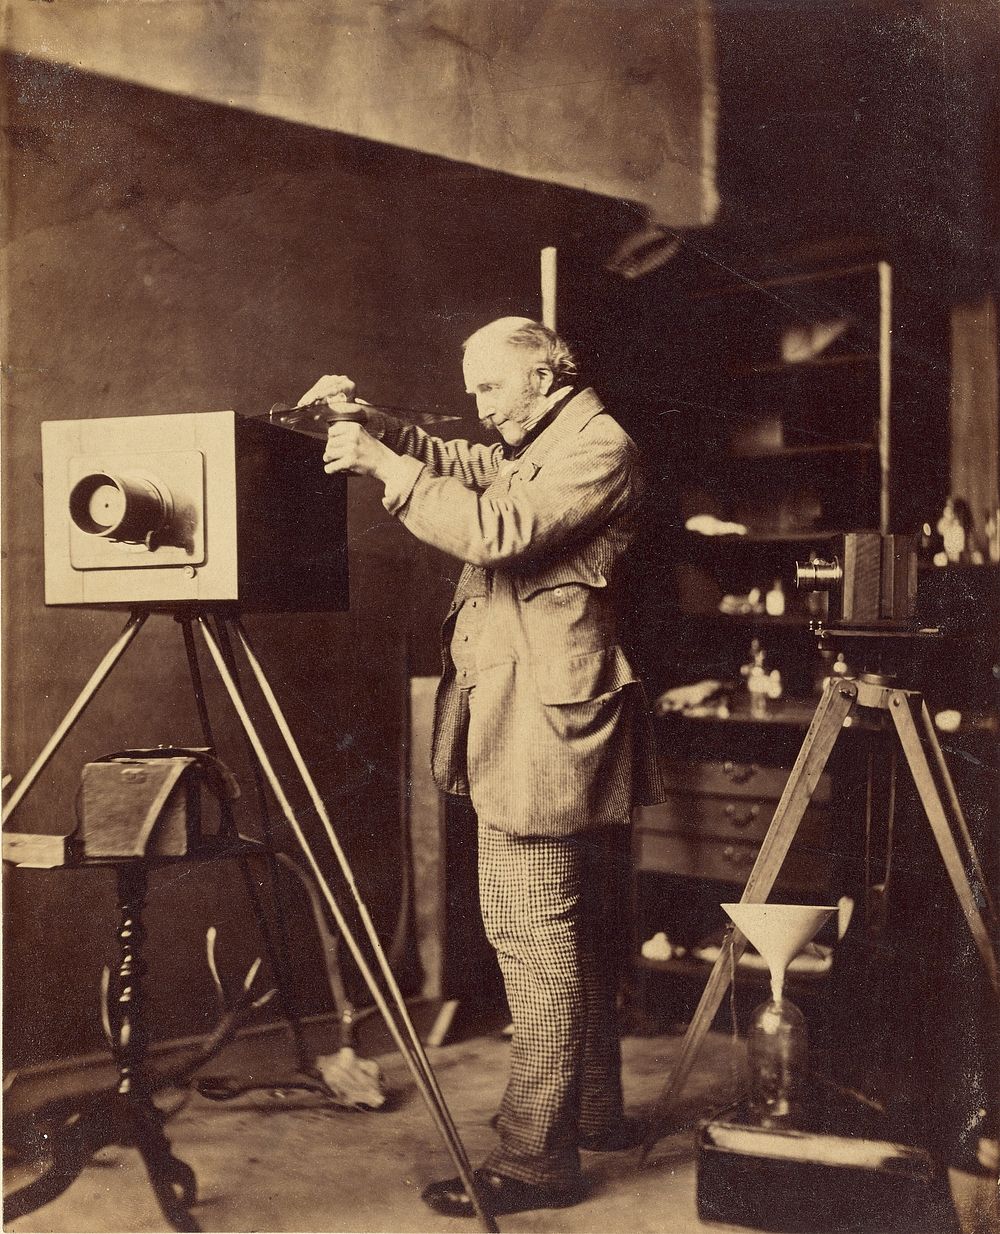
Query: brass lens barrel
<point x="127" y="508"/>
<point x="818" y="575"/>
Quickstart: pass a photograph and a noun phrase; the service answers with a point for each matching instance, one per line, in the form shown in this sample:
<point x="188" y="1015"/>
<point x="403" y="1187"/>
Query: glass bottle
<point x="778" y="1056"/>
<point x="774" y="601"/>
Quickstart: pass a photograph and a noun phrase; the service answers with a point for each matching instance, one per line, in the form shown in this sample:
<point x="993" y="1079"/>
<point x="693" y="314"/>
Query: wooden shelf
<point x="788" y="621"/>
<point x="787" y="453"/>
<point x="791" y="712"/>
<point x="681" y="967"/>
<point x="758" y="538"/>
<point x="686" y="966"/>
<point x="752" y="285"/>
<point x="848" y="359"/>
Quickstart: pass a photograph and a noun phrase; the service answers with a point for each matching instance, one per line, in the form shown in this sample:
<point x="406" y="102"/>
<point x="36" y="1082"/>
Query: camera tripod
<point x="137" y="1122"/>
<point x="914" y="730"/>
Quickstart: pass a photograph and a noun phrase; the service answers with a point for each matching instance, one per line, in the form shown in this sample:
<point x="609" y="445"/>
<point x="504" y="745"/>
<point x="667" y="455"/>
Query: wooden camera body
<point x="872" y="581"/>
<point x="191" y="509"/>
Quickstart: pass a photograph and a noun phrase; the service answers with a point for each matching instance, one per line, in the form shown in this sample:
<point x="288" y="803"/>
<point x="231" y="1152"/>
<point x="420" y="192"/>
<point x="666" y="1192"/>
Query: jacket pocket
<point x="578" y="678"/>
<point x="563" y="574"/>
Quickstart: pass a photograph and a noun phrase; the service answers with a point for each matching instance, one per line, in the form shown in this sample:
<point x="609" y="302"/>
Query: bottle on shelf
<point x="774" y="601"/>
<point x="764" y="686"/>
<point x="839" y="669"/>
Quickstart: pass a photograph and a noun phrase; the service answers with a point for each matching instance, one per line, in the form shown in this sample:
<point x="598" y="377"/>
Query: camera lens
<point x="128" y="508"/>
<point x="818" y="575"/>
<point x="106" y="506"/>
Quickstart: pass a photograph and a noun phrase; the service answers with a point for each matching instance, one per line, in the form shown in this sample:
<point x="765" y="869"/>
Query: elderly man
<point x="539" y="718"/>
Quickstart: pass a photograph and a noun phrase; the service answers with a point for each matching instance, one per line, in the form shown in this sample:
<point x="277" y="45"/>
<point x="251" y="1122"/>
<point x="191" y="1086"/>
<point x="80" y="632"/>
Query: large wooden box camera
<point x="198" y="508"/>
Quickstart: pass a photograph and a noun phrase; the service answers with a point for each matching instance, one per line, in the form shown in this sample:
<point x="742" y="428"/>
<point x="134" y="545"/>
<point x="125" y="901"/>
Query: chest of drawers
<point x="716" y="815"/>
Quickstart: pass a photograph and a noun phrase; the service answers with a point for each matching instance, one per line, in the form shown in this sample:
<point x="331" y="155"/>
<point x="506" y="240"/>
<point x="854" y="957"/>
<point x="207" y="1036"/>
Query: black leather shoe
<point x="499" y="1194"/>
<point x="628" y="1134"/>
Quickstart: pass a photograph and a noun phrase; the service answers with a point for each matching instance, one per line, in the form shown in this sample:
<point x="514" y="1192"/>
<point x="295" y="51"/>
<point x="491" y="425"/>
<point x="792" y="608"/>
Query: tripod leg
<point x="833" y="708"/>
<point x="901" y="710"/>
<point x="944" y="776"/>
<point x="132" y="628"/>
<point x="277" y="948"/>
<point x="197" y="686"/>
<point x="277" y="941"/>
<point x="324" y="817"/>
<point x="417" y="1063"/>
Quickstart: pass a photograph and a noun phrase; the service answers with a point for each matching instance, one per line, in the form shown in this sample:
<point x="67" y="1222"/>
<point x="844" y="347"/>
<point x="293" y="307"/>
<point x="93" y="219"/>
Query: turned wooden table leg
<point x="173" y="1181"/>
<point x="128" y="1028"/>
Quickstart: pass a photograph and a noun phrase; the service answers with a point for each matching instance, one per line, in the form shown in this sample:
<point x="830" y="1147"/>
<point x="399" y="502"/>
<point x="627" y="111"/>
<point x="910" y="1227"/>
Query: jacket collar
<point x="571" y="418"/>
<point x="555" y="404"/>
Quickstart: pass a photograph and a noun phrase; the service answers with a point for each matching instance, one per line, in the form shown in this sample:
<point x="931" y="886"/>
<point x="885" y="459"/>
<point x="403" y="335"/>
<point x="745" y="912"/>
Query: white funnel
<point x="779" y="932"/>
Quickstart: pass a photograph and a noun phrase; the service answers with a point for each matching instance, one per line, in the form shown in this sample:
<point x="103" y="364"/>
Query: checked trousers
<point x="548" y="906"/>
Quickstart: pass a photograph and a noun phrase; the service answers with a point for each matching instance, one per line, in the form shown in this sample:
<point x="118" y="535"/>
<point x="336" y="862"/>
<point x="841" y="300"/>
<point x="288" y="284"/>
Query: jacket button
<point x="557" y="591"/>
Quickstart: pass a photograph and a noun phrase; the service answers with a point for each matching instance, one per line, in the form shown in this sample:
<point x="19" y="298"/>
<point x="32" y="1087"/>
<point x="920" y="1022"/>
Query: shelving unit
<point x="801" y="373"/>
<point x="796" y="379"/>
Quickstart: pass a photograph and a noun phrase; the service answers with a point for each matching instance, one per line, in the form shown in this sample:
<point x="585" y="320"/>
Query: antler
<point x="105" y="1013"/>
<point x="232" y="1014"/>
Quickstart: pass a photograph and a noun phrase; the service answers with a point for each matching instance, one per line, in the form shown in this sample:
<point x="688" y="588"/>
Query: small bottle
<point x="757" y="680"/>
<point x="774" y="601"/>
<point x="778" y="1057"/>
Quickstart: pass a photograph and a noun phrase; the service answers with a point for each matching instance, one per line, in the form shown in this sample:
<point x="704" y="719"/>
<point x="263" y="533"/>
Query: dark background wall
<point x="171" y="256"/>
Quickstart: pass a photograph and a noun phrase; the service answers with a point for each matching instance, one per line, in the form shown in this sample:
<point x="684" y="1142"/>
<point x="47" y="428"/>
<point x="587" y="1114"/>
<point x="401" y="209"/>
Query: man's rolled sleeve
<point x="399" y="482"/>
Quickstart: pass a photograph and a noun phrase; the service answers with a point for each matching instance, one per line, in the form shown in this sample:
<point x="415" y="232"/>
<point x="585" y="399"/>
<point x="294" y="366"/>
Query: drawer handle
<point x="744" y="819"/>
<point x="738" y="856"/>
<point x="739" y="773"/>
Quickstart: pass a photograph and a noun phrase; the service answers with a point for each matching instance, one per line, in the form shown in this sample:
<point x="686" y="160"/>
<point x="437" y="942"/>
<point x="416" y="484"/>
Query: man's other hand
<point x="329" y="390"/>
<point x="350" y="448"/>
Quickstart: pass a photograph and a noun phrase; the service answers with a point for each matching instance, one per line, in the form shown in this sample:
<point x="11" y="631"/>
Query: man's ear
<point x="546" y="378"/>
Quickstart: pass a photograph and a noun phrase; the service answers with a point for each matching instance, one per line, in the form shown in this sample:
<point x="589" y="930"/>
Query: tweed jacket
<point x="555" y="736"/>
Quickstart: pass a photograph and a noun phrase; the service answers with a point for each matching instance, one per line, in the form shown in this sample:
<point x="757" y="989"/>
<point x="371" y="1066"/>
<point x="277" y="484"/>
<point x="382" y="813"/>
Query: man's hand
<point x="329" y="390"/>
<point x="350" y="448"/>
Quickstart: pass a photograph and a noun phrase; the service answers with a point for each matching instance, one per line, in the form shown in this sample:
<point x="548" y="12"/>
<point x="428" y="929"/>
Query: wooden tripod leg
<point x="417" y="1049"/>
<point x="94" y="683"/>
<point x="834" y="706"/>
<point x="901" y="709"/>
<point x="944" y="775"/>
<point x="401" y="1029"/>
<point x="276" y="942"/>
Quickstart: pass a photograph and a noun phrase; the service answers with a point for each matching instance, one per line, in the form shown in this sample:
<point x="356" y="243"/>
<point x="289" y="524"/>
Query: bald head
<point x="522" y="333"/>
<point x="512" y="366"/>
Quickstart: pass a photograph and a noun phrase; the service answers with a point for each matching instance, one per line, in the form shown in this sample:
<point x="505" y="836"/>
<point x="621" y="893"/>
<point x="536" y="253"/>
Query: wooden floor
<point x="283" y="1161"/>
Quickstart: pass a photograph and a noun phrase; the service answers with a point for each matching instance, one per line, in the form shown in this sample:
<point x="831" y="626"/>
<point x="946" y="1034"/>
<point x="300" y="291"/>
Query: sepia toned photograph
<point x="500" y="616"/>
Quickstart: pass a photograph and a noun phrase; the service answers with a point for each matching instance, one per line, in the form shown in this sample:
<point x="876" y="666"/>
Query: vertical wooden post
<point x="975" y="415"/>
<point x="548" y="273"/>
